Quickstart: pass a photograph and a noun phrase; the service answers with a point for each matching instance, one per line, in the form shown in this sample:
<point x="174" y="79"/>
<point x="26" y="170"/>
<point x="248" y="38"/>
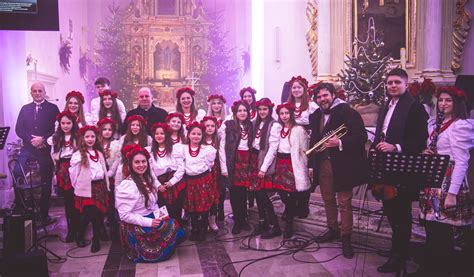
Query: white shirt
<point x="97" y="173"/>
<point x="130" y="203"/>
<point x="256" y="140"/>
<point x="388" y="117"/>
<point x="114" y="152"/>
<point x="284" y="145"/>
<point x="66" y="151"/>
<point x="303" y="119"/>
<point x="202" y="162"/>
<point x="173" y="162"/>
<point x="95" y="108"/>
<point x="274" y="142"/>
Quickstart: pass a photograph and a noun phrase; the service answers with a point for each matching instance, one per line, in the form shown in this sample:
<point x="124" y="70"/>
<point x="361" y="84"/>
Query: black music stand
<point x="401" y="170"/>
<point x="3" y="136"/>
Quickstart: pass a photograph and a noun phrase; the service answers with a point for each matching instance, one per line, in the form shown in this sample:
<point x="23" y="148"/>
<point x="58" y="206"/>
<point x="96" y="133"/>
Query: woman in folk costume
<point x="64" y="143"/>
<point x="263" y="157"/>
<point x="167" y="163"/>
<point x="145" y="236"/>
<point x="176" y="122"/>
<point x="210" y="138"/>
<point x="291" y="169"/>
<point x="216" y="107"/>
<point x="108" y="109"/>
<point x="446" y="208"/>
<point x="200" y="189"/>
<point x="111" y="147"/>
<point x="234" y="154"/>
<point x="248" y="95"/>
<point x="186" y="106"/>
<point x="75" y="105"/>
<point x="91" y="185"/>
<point x="299" y="97"/>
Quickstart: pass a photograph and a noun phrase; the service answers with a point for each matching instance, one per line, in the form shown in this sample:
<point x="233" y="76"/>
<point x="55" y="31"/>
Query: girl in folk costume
<point x="75" y="105"/>
<point x="216" y="107"/>
<point x="264" y="150"/>
<point x="64" y="143"/>
<point x="185" y="105"/>
<point x="291" y="169"/>
<point x="210" y="138"/>
<point x="200" y="190"/>
<point x="108" y="108"/>
<point x="111" y="147"/>
<point x="167" y="163"/>
<point x="91" y="185"/>
<point x="446" y="208"/>
<point x="175" y="121"/>
<point x="299" y="97"/>
<point x="234" y="153"/>
<point x="144" y="236"/>
<point x="248" y="95"/>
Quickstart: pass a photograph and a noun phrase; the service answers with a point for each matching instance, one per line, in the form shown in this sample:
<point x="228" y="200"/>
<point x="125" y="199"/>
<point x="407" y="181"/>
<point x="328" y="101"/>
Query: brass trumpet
<point x="339" y="132"/>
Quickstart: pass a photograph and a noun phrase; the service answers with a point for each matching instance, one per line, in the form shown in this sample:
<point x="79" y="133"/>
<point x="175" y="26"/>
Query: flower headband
<point x="264" y="102"/>
<point x="75" y="94"/>
<point x="127" y="148"/>
<point x="237" y="104"/>
<point x="163" y="126"/>
<point x="459" y="93"/>
<point x="209" y="117"/>
<point x="300" y="79"/>
<point x="194" y="125"/>
<point x="137" y="150"/>
<point x="215" y="96"/>
<point x="183" y="90"/>
<point x="249" y="89"/>
<point x="86" y="128"/>
<point x="72" y="116"/>
<point x="108" y="92"/>
<point x="286" y="105"/>
<point x="175" y="114"/>
<point x="313" y="87"/>
<point x="136" y="117"/>
<point x="106" y="120"/>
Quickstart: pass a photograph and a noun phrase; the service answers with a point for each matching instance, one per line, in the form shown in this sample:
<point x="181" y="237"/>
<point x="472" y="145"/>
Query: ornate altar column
<point x="432" y="36"/>
<point x="324" y="40"/>
<point x="338" y="11"/>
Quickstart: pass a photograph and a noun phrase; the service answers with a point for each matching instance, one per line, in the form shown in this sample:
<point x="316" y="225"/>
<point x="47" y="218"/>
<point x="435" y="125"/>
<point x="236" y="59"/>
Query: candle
<point x="403" y="58"/>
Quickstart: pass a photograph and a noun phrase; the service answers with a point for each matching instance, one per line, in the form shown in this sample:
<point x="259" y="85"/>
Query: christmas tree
<point x="114" y="61"/>
<point x="365" y="70"/>
<point x="221" y="73"/>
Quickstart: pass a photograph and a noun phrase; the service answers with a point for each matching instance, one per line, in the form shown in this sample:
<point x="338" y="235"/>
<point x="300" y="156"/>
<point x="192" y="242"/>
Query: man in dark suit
<point x="146" y="109"/>
<point x="342" y="166"/>
<point x="401" y="127"/>
<point x="34" y="125"/>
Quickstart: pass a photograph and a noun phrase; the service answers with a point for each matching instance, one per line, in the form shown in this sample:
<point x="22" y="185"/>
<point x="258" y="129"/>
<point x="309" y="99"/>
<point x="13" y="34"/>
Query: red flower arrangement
<point x="108" y="92"/>
<point x="286" y="105"/>
<point x="163" y="126"/>
<point x="264" y="102"/>
<point x="209" y="117"/>
<point x="423" y="92"/>
<point x="86" y="128"/>
<point x="175" y="114"/>
<point x="237" y="104"/>
<point x="137" y="150"/>
<point x="249" y="89"/>
<point x="136" y="117"/>
<point x="216" y="96"/>
<point x="106" y="120"/>
<point x="452" y="90"/>
<point x="300" y="80"/>
<point x="193" y="125"/>
<point x="70" y="115"/>
<point x="180" y="91"/>
<point x="75" y="94"/>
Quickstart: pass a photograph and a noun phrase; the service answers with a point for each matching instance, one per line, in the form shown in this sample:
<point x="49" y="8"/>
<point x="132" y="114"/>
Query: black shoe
<point x="347" y="250"/>
<point x="70" y="236"/>
<point x="245" y="226"/>
<point x="288" y="230"/>
<point x="393" y="264"/>
<point x="261" y="228"/>
<point x="95" y="246"/>
<point x="303" y="213"/>
<point x="103" y="236"/>
<point x="329" y="236"/>
<point x="272" y="232"/>
<point x="236" y="229"/>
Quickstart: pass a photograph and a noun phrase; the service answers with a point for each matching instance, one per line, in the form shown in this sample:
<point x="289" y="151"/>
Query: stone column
<point x="324" y="40"/>
<point x="432" y="39"/>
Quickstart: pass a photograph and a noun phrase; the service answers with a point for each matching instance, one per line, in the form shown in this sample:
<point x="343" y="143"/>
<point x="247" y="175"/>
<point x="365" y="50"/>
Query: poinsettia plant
<point x="424" y="92"/>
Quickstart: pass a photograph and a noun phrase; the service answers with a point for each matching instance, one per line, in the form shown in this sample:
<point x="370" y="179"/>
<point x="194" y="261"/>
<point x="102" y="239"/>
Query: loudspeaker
<point x="19" y="234"/>
<point x="33" y="263"/>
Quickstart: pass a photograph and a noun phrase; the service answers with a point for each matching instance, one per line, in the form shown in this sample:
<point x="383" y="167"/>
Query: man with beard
<point x="341" y="166"/>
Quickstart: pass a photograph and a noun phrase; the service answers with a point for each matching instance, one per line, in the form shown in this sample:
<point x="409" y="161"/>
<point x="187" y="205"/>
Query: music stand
<point x="3" y="136"/>
<point x="402" y="170"/>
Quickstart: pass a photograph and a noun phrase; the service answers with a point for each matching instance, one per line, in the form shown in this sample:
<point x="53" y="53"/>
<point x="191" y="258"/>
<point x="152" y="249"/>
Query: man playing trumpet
<point x="340" y="163"/>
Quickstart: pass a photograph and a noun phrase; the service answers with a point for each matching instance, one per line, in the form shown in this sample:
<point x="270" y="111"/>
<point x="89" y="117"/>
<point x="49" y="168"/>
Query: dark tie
<point x="37" y="109"/>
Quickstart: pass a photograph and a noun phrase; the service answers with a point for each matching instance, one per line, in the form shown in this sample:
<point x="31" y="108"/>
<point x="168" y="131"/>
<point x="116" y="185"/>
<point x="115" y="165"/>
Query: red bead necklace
<point x="244" y="134"/>
<point x="175" y="140"/>
<point x="192" y="152"/>
<point x="187" y="119"/>
<point x="161" y="153"/>
<point x="283" y="133"/>
<point x="95" y="157"/>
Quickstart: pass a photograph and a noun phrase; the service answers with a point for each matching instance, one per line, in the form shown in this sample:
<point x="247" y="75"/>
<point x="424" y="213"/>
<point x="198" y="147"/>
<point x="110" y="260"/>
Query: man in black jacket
<point x="342" y="166"/>
<point x="146" y="109"/>
<point x="34" y="125"/>
<point x="401" y="127"/>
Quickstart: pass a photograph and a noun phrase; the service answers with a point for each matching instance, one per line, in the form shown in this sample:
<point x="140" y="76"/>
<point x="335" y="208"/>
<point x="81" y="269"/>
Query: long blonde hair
<point x="223" y="113"/>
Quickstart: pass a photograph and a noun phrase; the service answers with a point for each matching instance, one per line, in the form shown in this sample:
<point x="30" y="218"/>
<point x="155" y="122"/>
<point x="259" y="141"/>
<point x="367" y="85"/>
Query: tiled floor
<point x="221" y="255"/>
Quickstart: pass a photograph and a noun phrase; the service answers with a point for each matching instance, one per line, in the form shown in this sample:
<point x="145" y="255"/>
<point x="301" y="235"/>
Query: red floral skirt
<point x="200" y="193"/>
<point x="256" y="183"/>
<point x="284" y="178"/>
<point x="99" y="198"/>
<point x="170" y="195"/>
<point x="216" y="180"/>
<point x="242" y="169"/>
<point x="62" y="175"/>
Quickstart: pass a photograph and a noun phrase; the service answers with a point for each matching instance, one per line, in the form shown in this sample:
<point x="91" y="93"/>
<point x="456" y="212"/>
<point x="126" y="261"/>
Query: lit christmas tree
<point x="365" y="70"/>
<point x="114" y="61"/>
<point x="222" y="72"/>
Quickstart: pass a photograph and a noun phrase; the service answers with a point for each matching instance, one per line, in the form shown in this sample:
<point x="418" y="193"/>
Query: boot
<point x="288" y="228"/>
<point x="71" y="232"/>
<point x="272" y="232"/>
<point x="103" y="232"/>
<point x="95" y="245"/>
<point x="236" y="229"/>
<point x="81" y="230"/>
<point x="203" y="227"/>
<point x="394" y="264"/>
<point x="212" y="223"/>
<point x="262" y="227"/>
<point x="194" y="228"/>
<point x="220" y="212"/>
<point x="328" y="236"/>
<point x="347" y="250"/>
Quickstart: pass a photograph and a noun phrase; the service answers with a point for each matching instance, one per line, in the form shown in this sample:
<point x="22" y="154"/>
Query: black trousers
<point x="238" y="202"/>
<point x="439" y="248"/>
<point x="72" y="214"/>
<point x="398" y="212"/>
<point x="265" y="208"/>
<point x="176" y="208"/>
<point x="289" y="199"/>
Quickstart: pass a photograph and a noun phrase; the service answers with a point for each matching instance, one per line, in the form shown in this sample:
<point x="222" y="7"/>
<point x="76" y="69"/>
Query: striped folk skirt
<point x="242" y="169"/>
<point x="170" y="195"/>
<point x="256" y="183"/>
<point x="62" y="175"/>
<point x="200" y="193"/>
<point x="284" y="177"/>
<point x="99" y="197"/>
